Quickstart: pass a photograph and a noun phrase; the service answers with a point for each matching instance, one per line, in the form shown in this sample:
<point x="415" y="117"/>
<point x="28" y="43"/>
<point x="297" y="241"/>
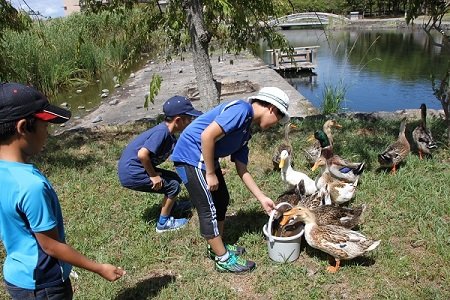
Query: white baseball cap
<point x="275" y="96"/>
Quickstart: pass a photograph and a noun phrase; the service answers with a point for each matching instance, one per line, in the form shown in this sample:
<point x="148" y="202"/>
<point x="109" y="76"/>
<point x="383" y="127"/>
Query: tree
<point x="435" y="9"/>
<point x="234" y="24"/>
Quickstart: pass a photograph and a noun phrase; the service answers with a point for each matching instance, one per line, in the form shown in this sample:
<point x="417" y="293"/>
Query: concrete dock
<point x="241" y="76"/>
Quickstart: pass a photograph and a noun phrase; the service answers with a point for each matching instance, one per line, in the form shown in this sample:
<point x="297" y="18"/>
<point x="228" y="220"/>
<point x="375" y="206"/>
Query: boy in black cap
<point x="138" y="164"/>
<point x="38" y="260"/>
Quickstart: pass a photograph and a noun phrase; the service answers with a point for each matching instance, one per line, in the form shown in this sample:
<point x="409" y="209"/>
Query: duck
<point x="339" y="242"/>
<point x="292" y="177"/>
<point x="338" y="167"/>
<point x="330" y="215"/>
<point x="396" y="152"/>
<point x="313" y="152"/>
<point x="422" y="135"/>
<point x="297" y="196"/>
<point x="285" y="145"/>
<point x="287" y="229"/>
<point x="339" y="191"/>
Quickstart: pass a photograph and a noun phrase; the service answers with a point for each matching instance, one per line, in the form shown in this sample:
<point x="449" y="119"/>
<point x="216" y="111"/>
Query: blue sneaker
<point x="171" y="224"/>
<point x="235" y="264"/>
<point x="180" y="207"/>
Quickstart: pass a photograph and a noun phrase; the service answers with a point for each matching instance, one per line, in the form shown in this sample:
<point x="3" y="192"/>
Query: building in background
<point x="71" y="6"/>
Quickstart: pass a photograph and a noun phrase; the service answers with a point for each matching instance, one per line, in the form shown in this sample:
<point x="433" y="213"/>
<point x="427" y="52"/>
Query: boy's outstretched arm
<point x="247" y="178"/>
<point x="48" y="240"/>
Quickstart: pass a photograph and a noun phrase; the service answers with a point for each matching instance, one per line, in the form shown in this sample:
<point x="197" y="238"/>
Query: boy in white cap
<point x="38" y="260"/>
<point x="223" y="131"/>
<point x="138" y="164"/>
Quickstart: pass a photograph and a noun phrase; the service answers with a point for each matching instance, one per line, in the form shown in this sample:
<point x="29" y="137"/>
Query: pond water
<point x="81" y="103"/>
<point x="383" y="70"/>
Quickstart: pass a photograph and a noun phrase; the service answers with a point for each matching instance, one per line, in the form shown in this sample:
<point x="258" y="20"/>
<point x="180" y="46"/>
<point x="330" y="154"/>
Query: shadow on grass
<point x="244" y="222"/>
<point x="152" y="212"/>
<point x="149" y="287"/>
<point x="358" y="261"/>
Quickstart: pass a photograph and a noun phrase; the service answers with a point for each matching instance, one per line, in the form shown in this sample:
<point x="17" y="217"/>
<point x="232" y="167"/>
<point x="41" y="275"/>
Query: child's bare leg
<point x="217" y="245"/>
<point x="166" y="205"/>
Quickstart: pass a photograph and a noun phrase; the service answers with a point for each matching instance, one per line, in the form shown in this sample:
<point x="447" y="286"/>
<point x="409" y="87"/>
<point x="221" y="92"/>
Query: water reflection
<point x="381" y="70"/>
<point x="81" y="103"/>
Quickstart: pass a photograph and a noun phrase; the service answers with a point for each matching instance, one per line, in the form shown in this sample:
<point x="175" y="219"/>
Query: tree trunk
<point x="200" y="38"/>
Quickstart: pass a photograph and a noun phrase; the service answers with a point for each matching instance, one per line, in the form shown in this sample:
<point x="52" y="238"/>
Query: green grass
<point x="409" y="212"/>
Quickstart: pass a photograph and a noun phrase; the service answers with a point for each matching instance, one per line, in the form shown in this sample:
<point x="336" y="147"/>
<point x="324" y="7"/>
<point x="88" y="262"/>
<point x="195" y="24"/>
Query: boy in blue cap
<point x="138" y="164"/>
<point x="38" y="260"/>
<point x="223" y="131"/>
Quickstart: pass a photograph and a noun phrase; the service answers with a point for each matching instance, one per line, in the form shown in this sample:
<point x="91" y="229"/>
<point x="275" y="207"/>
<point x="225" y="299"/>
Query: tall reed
<point x="65" y="52"/>
<point x="333" y="98"/>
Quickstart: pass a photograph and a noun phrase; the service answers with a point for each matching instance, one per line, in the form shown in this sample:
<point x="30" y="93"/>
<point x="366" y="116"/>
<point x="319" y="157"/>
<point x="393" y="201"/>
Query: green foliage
<point x="155" y="85"/>
<point x="336" y="7"/>
<point x="66" y="52"/>
<point x="407" y="211"/>
<point x="333" y="98"/>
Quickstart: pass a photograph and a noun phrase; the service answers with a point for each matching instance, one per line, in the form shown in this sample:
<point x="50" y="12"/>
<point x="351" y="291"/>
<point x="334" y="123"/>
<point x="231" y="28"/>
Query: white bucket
<point x="282" y="249"/>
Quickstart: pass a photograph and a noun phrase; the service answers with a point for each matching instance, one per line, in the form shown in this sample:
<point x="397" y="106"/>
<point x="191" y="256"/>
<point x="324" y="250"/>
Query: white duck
<point x="292" y="177"/>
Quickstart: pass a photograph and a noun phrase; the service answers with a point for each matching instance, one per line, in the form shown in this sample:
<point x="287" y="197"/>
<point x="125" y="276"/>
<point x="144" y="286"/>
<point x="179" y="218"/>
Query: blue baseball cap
<point x="179" y="105"/>
<point x="18" y="101"/>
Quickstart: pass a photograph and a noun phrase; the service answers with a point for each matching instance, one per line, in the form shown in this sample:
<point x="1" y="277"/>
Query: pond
<point x="82" y="100"/>
<point x="382" y="70"/>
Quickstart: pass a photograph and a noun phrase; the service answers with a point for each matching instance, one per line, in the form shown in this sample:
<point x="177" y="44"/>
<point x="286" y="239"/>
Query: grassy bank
<point x="65" y="52"/>
<point x="409" y="212"/>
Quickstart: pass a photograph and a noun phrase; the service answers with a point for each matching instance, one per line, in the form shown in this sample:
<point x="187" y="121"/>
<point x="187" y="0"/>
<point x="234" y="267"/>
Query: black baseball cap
<point x="179" y="105"/>
<point x="18" y="101"/>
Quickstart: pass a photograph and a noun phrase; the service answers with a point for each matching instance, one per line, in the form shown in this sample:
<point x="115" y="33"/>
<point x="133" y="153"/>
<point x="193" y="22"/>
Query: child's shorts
<point x="211" y="206"/>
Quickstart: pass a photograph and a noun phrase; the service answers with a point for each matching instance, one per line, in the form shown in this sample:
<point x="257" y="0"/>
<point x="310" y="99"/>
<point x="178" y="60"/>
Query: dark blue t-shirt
<point x="159" y="141"/>
<point x="234" y="118"/>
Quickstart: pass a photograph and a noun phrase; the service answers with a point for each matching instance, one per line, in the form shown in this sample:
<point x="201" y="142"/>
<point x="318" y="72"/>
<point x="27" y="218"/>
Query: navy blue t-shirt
<point x="159" y="141"/>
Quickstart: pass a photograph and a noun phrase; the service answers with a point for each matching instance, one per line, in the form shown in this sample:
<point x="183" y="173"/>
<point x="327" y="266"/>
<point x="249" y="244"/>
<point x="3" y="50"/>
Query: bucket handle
<point x="272" y="216"/>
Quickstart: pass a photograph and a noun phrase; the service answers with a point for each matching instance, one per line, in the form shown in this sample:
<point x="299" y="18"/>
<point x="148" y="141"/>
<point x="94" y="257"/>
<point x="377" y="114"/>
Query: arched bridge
<point x="307" y="19"/>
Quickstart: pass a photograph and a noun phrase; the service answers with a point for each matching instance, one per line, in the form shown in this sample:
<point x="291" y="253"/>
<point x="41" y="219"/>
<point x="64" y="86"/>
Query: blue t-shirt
<point x="159" y="141"/>
<point x="29" y="204"/>
<point x="234" y="118"/>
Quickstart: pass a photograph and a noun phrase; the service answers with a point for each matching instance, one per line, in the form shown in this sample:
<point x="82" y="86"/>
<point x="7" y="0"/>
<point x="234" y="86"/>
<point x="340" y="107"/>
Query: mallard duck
<point x="292" y="177"/>
<point x="313" y="152"/>
<point x="284" y="229"/>
<point x="291" y="196"/>
<point x="397" y="151"/>
<point x="338" y="167"/>
<point x="339" y="242"/>
<point x="339" y="190"/>
<point x="285" y="145"/>
<point x="331" y="215"/>
<point x="422" y="135"/>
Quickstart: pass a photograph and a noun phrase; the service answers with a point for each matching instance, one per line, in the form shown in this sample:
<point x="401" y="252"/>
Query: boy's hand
<point x="267" y="204"/>
<point x="157" y="182"/>
<point x="110" y="272"/>
<point x="212" y="181"/>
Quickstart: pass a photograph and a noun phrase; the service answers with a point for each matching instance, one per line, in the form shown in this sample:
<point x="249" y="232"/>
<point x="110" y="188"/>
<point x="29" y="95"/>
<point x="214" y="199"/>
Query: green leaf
<point x="155" y="85"/>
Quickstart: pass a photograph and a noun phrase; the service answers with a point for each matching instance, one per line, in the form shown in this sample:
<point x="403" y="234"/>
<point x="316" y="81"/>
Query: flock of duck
<point x="317" y="203"/>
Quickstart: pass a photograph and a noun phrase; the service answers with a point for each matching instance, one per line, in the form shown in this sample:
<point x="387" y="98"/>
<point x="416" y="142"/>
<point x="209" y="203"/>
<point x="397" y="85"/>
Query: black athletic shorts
<point x="211" y="206"/>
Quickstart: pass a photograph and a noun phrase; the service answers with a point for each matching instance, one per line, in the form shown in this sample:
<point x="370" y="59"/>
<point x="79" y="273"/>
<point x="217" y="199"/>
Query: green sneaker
<point x="237" y="250"/>
<point x="235" y="264"/>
